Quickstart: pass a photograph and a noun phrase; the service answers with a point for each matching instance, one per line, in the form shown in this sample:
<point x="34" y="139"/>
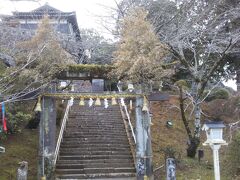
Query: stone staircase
<point x="95" y="145"/>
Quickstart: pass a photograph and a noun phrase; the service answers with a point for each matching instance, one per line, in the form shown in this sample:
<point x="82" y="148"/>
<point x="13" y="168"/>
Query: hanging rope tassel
<point x="81" y="103"/>
<point x="38" y="106"/>
<point x="98" y="102"/>
<point x="145" y="104"/>
<point x="114" y="102"/>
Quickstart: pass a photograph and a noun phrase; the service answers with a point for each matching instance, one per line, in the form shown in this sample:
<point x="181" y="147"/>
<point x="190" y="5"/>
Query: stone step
<point x="82" y="153"/>
<point x="93" y="122"/>
<point x="96" y="170"/>
<point x="95" y="110"/>
<point x="86" y="106"/>
<point x="91" y="146"/>
<point x="97" y="133"/>
<point x="89" y="136"/>
<point x="95" y="119"/>
<point x="92" y="126"/>
<point x="79" y="114"/>
<point x="106" y="139"/>
<point x="96" y="161"/>
<point x="84" y="115"/>
<point x="95" y="165"/>
<point x="96" y="143"/>
<point x="87" y="157"/>
<point x="102" y="176"/>
<point x="93" y="136"/>
<point x="94" y="148"/>
<point x="96" y="130"/>
<point x="95" y="125"/>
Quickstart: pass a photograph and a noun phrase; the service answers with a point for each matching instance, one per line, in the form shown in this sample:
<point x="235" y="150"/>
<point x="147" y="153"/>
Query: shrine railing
<point x="60" y="137"/>
<point x="129" y="120"/>
<point x="128" y="116"/>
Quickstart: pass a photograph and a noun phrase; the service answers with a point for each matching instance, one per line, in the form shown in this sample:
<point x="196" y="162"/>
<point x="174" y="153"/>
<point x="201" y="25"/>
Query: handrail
<point x="128" y="116"/>
<point x="60" y="137"/>
<point x="129" y="120"/>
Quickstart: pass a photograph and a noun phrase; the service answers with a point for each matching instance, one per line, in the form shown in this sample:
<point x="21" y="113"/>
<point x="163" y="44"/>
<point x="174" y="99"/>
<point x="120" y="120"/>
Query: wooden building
<point x="62" y="22"/>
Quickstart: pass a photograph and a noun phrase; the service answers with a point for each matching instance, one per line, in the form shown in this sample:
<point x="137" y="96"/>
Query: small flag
<point x="5" y="124"/>
<point x="4" y="120"/>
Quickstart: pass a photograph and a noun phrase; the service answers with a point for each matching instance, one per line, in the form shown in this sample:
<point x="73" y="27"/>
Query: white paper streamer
<point x="90" y="102"/>
<point x="71" y="101"/>
<point x="105" y="103"/>
<point x="122" y="102"/>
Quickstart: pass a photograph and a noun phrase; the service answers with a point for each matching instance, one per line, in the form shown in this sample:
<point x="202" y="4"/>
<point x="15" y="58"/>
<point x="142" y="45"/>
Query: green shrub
<point x="233" y="158"/>
<point x="15" y="122"/>
<point x="182" y="83"/>
<point x="219" y="93"/>
<point x="34" y="122"/>
<point x="3" y="135"/>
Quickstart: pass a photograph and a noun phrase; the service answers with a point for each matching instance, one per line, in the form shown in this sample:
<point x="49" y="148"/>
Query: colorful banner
<point x="4" y="120"/>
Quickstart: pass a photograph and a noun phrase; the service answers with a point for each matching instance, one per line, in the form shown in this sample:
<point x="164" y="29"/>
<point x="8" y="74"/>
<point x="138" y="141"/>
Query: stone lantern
<point x="214" y="132"/>
<point x="130" y="87"/>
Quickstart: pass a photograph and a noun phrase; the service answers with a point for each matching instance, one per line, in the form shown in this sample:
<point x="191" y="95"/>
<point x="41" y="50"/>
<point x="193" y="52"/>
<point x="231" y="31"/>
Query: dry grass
<point x="176" y="138"/>
<point x="19" y="147"/>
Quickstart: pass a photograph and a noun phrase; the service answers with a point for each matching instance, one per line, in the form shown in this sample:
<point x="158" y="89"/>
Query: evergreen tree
<point x="139" y="56"/>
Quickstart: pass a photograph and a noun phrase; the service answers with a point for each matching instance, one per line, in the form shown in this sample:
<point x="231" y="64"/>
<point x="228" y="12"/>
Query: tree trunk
<point x="197" y="117"/>
<point x="194" y="140"/>
<point x="184" y="119"/>
<point x="192" y="147"/>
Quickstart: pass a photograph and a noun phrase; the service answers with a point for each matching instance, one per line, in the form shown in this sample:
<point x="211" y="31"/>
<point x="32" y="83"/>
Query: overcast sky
<point x="89" y="12"/>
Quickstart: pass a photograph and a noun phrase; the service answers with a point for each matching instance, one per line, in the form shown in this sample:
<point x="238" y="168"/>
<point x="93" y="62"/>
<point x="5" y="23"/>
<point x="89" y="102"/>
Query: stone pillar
<point x="143" y="142"/>
<point x="148" y="144"/>
<point x="170" y="169"/>
<point x="140" y="148"/>
<point x="238" y="81"/>
<point x="22" y="171"/>
<point x="215" y="149"/>
<point x="47" y="137"/>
